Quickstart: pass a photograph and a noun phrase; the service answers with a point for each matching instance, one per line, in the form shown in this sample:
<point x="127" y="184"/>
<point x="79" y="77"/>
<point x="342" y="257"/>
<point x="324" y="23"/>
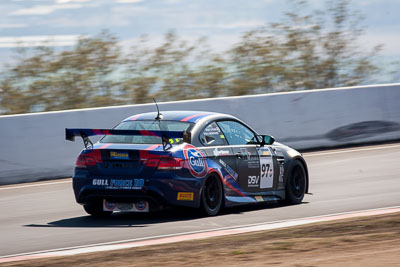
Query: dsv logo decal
<point x="196" y="161"/>
<point x="253" y="181"/>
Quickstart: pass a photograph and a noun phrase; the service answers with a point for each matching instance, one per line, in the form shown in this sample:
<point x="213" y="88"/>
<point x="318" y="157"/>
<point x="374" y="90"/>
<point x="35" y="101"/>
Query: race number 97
<point x="264" y="170"/>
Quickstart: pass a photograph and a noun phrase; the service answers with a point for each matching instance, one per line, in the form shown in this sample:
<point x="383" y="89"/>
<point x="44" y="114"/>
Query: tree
<point x="308" y="49"/>
<point x="176" y="69"/>
<point x="157" y="71"/>
<point x="45" y="79"/>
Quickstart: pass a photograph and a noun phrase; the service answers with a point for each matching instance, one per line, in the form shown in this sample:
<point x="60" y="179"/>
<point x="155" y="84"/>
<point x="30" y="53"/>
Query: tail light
<point x="164" y="163"/>
<point x="168" y="163"/>
<point x="152" y="163"/>
<point x="88" y="159"/>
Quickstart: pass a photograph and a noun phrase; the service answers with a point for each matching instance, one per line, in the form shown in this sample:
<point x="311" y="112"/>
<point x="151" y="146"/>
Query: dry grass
<point x="367" y="241"/>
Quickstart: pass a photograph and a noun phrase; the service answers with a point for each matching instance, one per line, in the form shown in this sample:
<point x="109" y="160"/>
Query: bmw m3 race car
<point x="184" y="158"/>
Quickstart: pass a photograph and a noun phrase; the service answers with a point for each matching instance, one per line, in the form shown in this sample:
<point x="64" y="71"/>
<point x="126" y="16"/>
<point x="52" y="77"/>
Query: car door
<point x="255" y="164"/>
<point x="216" y="148"/>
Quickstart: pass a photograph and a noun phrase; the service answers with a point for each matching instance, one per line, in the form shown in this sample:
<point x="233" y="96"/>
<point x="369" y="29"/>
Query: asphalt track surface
<point x="44" y="216"/>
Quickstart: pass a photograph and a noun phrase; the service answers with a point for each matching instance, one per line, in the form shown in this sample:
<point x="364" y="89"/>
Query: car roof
<point x="178" y="115"/>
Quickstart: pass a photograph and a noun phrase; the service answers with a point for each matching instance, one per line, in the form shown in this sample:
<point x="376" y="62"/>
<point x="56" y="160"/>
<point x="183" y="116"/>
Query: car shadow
<point x="254" y="207"/>
<point x="139" y="220"/>
<point x="125" y="219"/>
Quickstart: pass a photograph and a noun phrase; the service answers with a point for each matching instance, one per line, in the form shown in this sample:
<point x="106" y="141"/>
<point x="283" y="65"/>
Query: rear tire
<point x="212" y="196"/>
<point x="296" y="184"/>
<point x="96" y="209"/>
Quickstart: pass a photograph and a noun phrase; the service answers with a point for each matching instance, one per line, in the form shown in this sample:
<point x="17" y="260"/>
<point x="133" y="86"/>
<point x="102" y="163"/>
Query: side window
<point x="213" y="136"/>
<point x="236" y="133"/>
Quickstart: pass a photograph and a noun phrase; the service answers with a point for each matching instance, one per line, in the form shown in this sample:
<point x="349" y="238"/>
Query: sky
<point x="30" y="22"/>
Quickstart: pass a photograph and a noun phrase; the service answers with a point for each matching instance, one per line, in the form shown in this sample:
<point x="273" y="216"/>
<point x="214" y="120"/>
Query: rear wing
<point x="165" y="135"/>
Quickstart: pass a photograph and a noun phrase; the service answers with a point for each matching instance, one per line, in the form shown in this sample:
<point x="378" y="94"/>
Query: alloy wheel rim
<point x="212" y="194"/>
<point x="298" y="182"/>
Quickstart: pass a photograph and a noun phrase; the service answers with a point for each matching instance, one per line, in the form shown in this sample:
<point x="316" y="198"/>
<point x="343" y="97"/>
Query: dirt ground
<point x="367" y="241"/>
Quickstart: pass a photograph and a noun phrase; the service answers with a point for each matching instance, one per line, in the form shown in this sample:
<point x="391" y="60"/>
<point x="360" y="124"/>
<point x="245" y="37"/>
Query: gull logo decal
<point x="196" y="161"/>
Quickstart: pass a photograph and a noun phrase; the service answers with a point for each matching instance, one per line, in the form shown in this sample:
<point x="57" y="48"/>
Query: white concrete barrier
<point x="33" y="146"/>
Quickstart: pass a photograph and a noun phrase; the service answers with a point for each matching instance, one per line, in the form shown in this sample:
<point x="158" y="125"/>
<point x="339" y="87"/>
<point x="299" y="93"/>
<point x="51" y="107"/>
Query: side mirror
<point x="267" y="140"/>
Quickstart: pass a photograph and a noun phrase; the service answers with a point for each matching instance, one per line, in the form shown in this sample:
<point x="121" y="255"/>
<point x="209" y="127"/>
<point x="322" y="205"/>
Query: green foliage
<point x="49" y="80"/>
<point x="306" y="50"/>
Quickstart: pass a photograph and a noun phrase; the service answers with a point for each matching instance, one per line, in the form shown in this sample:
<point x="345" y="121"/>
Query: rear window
<point x="148" y="126"/>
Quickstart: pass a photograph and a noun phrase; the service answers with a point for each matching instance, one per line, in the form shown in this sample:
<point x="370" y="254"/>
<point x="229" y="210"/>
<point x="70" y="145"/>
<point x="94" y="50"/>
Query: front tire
<point x="212" y="196"/>
<point x="296" y="184"/>
<point x="96" y="209"/>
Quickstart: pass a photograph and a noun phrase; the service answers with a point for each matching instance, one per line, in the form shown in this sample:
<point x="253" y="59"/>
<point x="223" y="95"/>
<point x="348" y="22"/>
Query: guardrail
<point x="33" y="146"/>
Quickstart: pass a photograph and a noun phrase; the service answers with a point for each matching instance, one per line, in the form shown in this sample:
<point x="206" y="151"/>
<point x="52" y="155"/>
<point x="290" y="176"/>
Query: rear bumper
<point x="158" y="191"/>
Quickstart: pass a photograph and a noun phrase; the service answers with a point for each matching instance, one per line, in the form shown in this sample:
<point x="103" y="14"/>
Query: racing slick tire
<point x="212" y="196"/>
<point x="296" y="184"/>
<point x="96" y="209"/>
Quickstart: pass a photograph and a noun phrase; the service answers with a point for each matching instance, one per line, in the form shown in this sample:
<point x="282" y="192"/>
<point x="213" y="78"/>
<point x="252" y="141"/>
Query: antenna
<point x="159" y="115"/>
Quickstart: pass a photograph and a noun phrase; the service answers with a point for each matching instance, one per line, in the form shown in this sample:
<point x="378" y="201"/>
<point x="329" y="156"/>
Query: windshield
<point x="152" y="125"/>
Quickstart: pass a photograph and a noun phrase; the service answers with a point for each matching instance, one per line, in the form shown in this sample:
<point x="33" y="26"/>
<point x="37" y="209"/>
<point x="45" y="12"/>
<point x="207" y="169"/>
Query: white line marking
<point x="185" y="236"/>
<point x="34" y="185"/>
<point x="312" y="154"/>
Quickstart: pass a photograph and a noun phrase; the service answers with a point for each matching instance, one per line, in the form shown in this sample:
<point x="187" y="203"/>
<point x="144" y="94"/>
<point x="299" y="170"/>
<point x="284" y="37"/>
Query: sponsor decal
<point x="186" y="196"/>
<point x="245" y="152"/>
<point x="221" y="152"/>
<point x="253" y="162"/>
<point x="119" y="155"/>
<point x="281" y="171"/>
<point x="212" y="129"/>
<point x="229" y="169"/>
<point x="100" y="182"/>
<point x="196" y="161"/>
<point x="109" y="205"/>
<point x="141" y="205"/>
<point x="259" y="198"/>
<point x="253" y="181"/>
<point x="119" y="183"/>
<point x="264" y="152"/>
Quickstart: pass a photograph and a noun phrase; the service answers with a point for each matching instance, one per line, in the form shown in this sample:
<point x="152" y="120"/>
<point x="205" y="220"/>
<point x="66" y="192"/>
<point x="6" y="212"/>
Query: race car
<point x="194" y="159"/>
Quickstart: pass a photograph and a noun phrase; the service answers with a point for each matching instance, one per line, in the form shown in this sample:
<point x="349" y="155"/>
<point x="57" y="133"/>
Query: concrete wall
<point x="32" y="146"/>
